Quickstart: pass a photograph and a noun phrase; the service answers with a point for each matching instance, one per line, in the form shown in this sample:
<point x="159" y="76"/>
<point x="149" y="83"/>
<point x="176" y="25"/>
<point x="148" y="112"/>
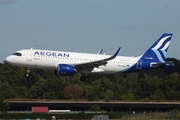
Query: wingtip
<point x="116" y="53"/>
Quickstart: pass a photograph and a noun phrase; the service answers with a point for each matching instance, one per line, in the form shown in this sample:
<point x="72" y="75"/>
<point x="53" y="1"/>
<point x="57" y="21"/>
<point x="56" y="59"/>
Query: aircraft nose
<point x="9" y="59"/>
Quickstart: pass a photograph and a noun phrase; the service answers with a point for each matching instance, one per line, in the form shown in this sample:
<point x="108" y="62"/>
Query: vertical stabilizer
<point x="159" y="49"/>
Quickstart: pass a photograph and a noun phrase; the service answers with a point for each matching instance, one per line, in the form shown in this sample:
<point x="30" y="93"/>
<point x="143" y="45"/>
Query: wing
<point x="91" y="65"/>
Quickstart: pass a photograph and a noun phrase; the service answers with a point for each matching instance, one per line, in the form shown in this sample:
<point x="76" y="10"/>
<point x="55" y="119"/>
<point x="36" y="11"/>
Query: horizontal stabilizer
<point x="165" y="64"/>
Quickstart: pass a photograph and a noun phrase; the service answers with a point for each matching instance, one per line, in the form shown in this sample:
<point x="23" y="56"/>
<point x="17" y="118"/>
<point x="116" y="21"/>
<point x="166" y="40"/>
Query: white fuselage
<point x="34" y="58"/>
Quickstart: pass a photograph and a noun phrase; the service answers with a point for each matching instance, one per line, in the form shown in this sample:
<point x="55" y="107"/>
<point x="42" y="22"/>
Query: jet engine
<point x="65" y="69"/>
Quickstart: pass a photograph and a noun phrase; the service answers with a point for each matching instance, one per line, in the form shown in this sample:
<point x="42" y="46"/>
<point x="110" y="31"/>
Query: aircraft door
<point x="74" y="58"/>
<point x="139" y="64"/>
<point x="29" y="55"/>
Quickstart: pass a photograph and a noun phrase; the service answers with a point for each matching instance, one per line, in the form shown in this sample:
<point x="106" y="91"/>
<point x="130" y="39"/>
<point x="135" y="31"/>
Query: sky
<point x="88" y="25"/>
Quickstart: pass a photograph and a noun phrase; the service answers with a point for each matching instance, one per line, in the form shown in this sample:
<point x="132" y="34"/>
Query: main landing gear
<point x="84" y="78"/>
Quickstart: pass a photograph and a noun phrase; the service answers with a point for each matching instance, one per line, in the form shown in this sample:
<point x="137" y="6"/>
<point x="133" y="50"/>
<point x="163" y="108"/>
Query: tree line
<point x="154" y="85"/>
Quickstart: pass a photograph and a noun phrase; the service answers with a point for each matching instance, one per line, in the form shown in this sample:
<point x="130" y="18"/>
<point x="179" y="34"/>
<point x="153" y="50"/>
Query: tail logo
<point x="161" y="48"/>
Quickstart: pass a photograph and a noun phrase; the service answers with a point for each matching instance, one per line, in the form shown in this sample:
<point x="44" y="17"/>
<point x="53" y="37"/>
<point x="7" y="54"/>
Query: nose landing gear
<point x="27" y="72"/>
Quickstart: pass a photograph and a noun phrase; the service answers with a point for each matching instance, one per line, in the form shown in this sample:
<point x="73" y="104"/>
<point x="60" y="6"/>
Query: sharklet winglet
<point x="116" y="53"/>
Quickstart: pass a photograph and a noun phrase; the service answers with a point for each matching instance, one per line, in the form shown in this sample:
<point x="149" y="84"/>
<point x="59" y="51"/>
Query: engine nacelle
<point x="169" y="64"/>
<point x="65" y="69"/>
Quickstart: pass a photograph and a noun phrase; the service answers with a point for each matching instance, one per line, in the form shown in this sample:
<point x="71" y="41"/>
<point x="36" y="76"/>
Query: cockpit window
<point x="17" y="54"/>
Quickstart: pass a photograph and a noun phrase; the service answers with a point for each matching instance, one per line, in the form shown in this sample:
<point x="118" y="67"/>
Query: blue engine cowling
<point x="65" y="69"/>
<point x="169" y="64"/>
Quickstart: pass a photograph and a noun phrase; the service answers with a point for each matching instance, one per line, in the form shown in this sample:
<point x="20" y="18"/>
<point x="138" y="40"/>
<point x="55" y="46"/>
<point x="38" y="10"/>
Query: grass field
<point x="153" y="116"/>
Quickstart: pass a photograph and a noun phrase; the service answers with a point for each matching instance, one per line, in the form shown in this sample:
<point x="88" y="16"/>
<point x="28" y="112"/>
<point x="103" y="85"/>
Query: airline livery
<point x="68" y="63"/>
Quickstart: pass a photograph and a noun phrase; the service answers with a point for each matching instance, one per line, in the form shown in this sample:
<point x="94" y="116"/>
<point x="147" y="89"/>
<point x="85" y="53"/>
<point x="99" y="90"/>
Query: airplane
<point x="69" y="63"/>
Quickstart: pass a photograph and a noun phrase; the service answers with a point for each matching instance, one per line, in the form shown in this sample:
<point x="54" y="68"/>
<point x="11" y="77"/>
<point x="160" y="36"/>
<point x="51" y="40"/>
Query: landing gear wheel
<point x="84" y="78"/>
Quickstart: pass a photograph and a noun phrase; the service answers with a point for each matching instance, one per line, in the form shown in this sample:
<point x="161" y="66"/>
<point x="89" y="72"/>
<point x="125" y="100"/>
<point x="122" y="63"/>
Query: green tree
<point x="7" y="91"/>
<point x="94" y="108"/>
<point x="157" y="84"/>
<point x="22" y="91"/>
<point x="49" y="95"/>
<point x="4" y="106"/>
<point x="37" y="90"/>
<point x="108" y="95"/>
<point x="172" y="86"/>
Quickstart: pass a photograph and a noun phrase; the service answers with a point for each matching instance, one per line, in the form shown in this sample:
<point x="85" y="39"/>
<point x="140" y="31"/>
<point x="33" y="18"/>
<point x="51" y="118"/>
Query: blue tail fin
<point x="159" y="49"/>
